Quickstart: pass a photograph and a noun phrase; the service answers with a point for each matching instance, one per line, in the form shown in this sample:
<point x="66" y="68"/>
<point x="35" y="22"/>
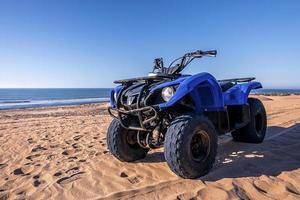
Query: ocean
<point x="30" y="98"/>
<point x="276" y="91"/>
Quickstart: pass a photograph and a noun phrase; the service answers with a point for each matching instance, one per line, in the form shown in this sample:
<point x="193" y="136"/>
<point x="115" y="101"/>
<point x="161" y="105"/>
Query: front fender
<point x="116" y="90"/>
<point x="170" y="83"/>
<point x="204" y="90"/>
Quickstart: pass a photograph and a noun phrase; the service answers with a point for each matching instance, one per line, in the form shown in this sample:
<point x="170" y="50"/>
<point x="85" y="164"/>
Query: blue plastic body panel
<point x="204" y="90"/>
<point x="112" y="92"/>
<point x="170" y="83"/>
<point x="238" y="94"/>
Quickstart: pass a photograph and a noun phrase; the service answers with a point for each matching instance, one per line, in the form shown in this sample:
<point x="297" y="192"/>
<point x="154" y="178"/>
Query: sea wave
<point x="14" y="101"/>
<point x="20" y="104"/>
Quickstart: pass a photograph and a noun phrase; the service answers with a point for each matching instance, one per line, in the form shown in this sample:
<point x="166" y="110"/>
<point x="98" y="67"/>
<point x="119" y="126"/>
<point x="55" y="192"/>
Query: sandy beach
<point x="61" y="153"/>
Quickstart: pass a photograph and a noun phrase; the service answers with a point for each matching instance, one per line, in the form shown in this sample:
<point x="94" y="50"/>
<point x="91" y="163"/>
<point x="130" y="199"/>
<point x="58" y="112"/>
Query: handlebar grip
<point x="210" y="53"/>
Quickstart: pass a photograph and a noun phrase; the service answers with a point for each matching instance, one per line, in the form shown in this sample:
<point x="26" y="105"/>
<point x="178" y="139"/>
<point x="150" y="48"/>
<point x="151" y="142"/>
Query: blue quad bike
<point x="184" y="114"/>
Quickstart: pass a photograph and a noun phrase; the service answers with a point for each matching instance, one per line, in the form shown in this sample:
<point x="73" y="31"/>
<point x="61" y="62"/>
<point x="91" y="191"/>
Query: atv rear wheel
<point x="122" y="143"/>
<point x="255" y="130"/>
<point x="190" y="146"/>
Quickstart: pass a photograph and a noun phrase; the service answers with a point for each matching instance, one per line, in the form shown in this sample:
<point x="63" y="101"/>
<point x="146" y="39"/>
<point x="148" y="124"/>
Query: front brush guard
<point x="136" y="112"/>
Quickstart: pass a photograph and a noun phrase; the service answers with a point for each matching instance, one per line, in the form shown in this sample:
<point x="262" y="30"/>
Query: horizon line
<point x="268" y="88"/>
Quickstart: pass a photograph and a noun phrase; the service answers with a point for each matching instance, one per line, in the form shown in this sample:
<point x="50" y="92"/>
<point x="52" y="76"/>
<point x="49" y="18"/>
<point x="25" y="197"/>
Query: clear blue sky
<point x="91" y="43"/>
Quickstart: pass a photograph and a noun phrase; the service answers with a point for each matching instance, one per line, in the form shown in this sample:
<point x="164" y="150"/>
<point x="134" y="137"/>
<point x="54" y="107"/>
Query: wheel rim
<point x="200" y="145"/>
<point x="258" y="123"/>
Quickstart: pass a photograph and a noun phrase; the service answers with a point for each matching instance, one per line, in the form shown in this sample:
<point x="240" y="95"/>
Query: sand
<point x="61" y="153"/>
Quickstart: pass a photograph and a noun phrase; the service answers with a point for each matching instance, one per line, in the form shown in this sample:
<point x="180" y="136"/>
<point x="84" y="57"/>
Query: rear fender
<point x="204" y="90"/>
<point x="238" y="94"/>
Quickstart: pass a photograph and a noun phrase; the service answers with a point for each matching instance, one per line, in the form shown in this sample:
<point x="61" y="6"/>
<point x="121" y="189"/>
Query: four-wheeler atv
<point x="184" y="114"/>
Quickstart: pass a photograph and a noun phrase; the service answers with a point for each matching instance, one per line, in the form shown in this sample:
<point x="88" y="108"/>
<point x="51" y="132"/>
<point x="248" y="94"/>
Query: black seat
<point x="225" y="85"/>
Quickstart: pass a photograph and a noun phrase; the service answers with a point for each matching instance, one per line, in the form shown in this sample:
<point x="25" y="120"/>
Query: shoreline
<point x="51" y="103"/>
<point x="55" y="107"/>
<point x="75" y="102"/>
<point x="276" y="94"/>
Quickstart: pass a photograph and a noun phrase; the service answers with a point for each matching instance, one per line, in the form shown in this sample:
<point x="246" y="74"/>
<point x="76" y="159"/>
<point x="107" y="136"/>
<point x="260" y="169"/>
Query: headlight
<point x="167" y="93"/>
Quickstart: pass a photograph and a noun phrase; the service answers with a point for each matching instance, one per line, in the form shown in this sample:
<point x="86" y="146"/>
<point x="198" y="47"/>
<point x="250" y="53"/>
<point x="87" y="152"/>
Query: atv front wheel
<point x="190" y="146"/>
<point x="255" y="130"/>
<point x="122" y="143"/>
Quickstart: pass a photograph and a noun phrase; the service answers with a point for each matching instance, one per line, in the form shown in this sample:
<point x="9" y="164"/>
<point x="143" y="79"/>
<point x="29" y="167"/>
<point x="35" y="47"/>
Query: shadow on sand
<point x="279" y="152"/>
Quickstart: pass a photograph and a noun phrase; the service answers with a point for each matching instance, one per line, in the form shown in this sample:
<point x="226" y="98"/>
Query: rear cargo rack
<point x="238" y="80"/>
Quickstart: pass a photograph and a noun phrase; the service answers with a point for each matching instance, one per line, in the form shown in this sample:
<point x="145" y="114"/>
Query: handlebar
<point x="184" y="61"/>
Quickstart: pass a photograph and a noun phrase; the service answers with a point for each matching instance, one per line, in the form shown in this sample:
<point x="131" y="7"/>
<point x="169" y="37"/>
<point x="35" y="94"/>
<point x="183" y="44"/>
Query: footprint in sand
<point x="2" y="165"/>
<point x="46" y="139"/>
<point x="69" y="179"/>
<point x="123" y="175"/>
<point x="2" y="190"/>
<point x="30" y="140"/>
<point x="22" y="193"/>
<point x="77" y="137"/>
<point x="57" y="174"/>
<point x="38" y="148"/>
<point x="37" y="182"/>
<point x="18" y="171"/>
<point x="68" y="152"/>
<point x="28" y="163"/>
<point x="31" y="157"/>
<point x="75" y="146"/>
<point x="135" y="179"/>
<point x="36" y="177"/>
<point x="24" y="170"/>
<point x="98" y="154"/>
<point x="68" y="141"/>
<point x="54" y="146"/>
<point x="101" y="153"/>
<point x="73" y="170"/>
<point x="51" y="157"/>
<point x="105" y="152"/>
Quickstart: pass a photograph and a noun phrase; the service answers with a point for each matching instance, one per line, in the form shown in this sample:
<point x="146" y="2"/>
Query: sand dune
<point x="61" y="153"/>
